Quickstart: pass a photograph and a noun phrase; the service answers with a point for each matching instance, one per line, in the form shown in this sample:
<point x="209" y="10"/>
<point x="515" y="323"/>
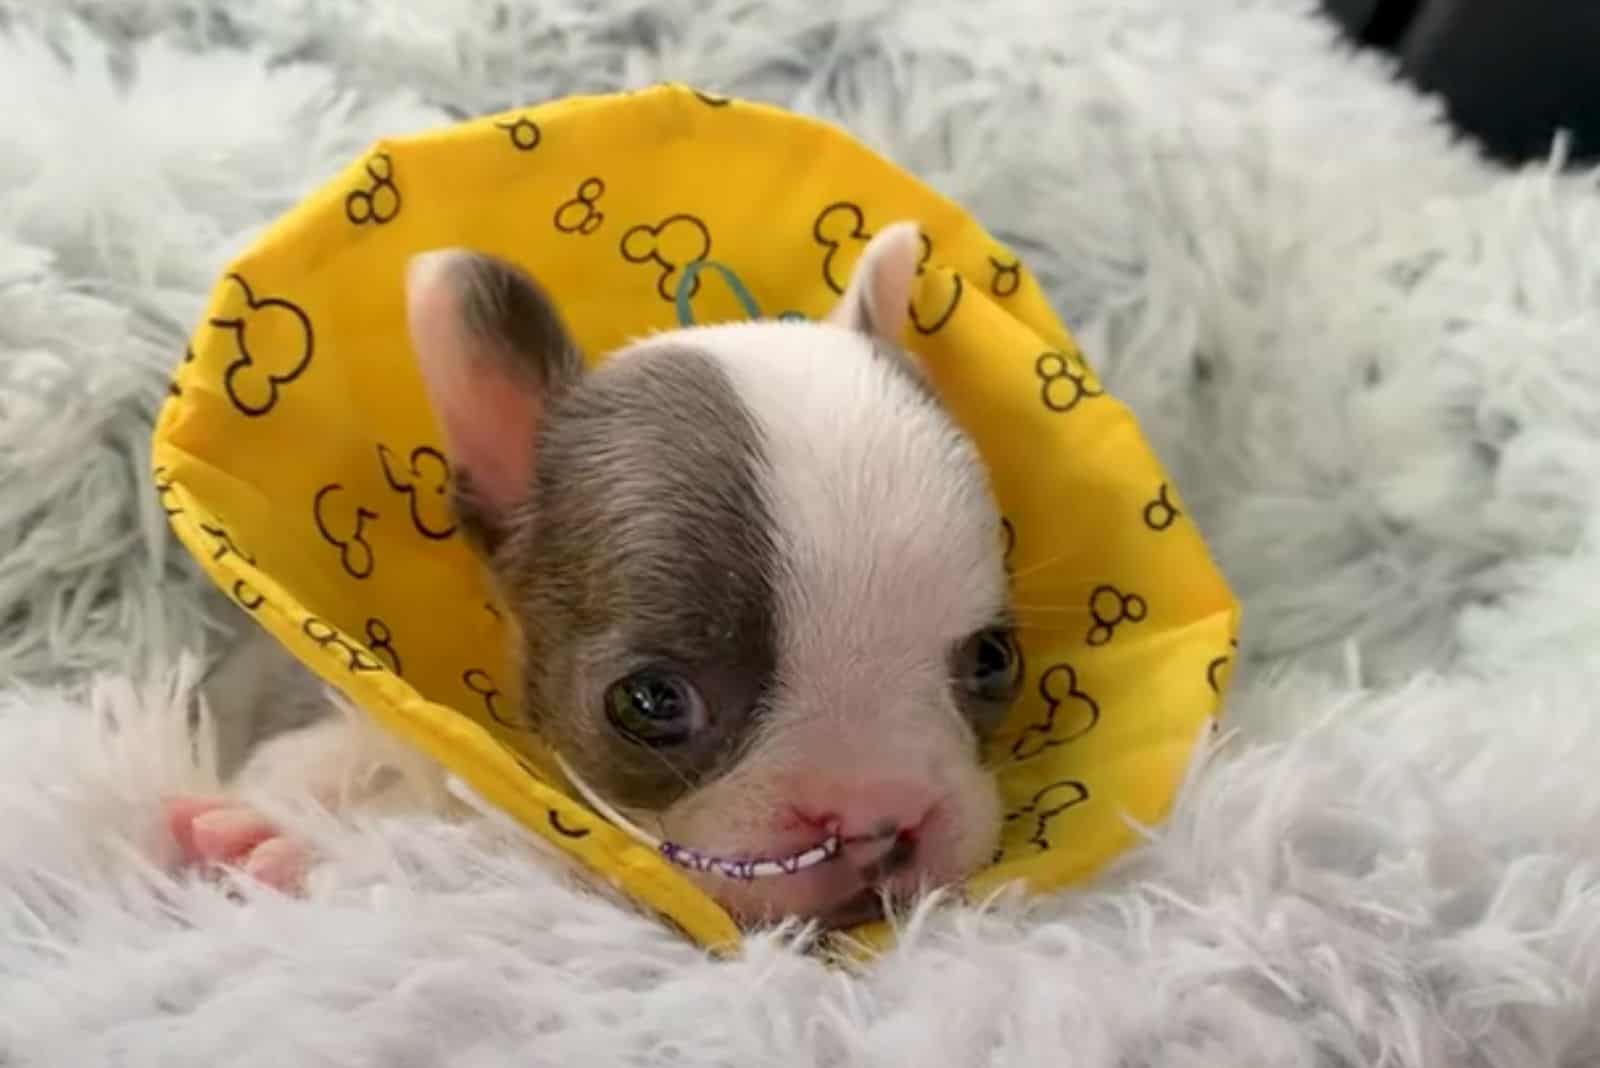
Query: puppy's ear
<point x="493" y="352"/>
<point x="878" y="299"/>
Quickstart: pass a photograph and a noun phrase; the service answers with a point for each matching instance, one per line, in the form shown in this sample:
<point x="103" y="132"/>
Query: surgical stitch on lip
<point x="695" y="860"/>
<point x="765" y="868"/>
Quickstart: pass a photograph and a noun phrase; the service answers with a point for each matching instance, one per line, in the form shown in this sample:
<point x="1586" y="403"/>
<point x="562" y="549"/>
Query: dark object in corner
<point x="1513" y="73"/>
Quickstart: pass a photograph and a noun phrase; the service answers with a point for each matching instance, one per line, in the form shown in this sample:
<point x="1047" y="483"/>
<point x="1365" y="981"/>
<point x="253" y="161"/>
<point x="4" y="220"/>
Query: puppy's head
<point x="757" y="571"/>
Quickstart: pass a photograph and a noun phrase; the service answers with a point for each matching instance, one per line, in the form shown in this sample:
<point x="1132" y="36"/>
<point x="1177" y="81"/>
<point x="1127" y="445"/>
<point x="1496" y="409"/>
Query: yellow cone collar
<point x="300" y="464"/>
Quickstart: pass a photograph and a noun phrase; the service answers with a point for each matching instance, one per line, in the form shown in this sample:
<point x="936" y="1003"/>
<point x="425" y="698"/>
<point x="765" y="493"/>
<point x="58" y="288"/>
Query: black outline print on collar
<point x="642" y="244"/>
<point x="925" y="329"/>
<point x="488" y="692"/>
<point x="1007" y="277"/>
<point x="438" y="489"/>
<point x="838" y="210"/>
<point x="380" y="641"/>
<point x="1061" y="795"/>
<point x="1109" y="608"/>
<point x="958" y="287"/>
<point x="248" y="597"/>
<point x="843" y="221"/>
<point x="579" y="215"/>
<point x="380" y="203"/>
<point x="1161" y="513"/>
<point x="353" y="550"/>
<point x="1218" y="663"/>
<point x="356" y="659"/>
<point x="1054" y="368"/>
<point x="164" y="487"/>
<point x="552" y="816"/>
<point x="1008" y="538"/>
<point x="712" y="100"/>
<point x="225" y="543"/>
<point x="173" y="389"/>
<point x="524" y="133"/>
<point x="239" y="326"/>
<point x="554" y="819"/>
<point x="1058" y="686"/>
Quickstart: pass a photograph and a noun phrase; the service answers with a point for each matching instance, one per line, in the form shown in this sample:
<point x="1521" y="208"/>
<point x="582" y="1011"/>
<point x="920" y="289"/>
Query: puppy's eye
<point x="655" y="708"/>
<point x="989" y="667"/>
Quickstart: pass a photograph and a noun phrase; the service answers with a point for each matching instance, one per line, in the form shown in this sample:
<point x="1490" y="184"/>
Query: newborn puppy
<point x="757" y="574"/>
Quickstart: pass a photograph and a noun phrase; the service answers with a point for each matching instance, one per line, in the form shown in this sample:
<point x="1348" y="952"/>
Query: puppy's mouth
<point x="752" y="867"/>
<point x="898" y="850"/>
<point x="865" y="904"/>
<point x="869" y="903"/>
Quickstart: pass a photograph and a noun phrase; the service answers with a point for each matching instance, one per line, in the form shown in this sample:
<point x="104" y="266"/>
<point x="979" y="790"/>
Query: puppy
<point x="757" y="574"/>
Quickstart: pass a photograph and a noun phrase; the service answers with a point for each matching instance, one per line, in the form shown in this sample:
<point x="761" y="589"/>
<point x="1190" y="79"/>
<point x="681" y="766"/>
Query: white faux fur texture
<point x="1369" y="890"/>
<point x="1369" y="358"/>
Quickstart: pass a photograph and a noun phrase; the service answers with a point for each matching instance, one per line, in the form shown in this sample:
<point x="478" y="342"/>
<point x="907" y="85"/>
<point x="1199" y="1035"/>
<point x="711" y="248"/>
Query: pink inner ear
<point x="894" y="274"/>
<point x="878" y="298"/>
<point x="487" y="408"/>
<point x="492" y="436"/>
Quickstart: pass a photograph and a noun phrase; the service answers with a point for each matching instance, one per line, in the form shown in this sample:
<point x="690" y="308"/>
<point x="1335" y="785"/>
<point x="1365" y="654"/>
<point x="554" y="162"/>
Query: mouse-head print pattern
<point x="1070" y="713"/>
<point x="1065" y="381"/>
<point x="522" y="131"/>
<point x="1007" y="277"/>
<point x="273" y="343"/>
<point x="1038" y="818"/>
<point x="377" y="200"/>
<point x="1110" y="608"/>
<point x="380" y="642"/>
<point x="343" y="525"/>
<point x="840" y="229"/>
<point x="1159" y="514"/>
<point x="668" y="247"/>
<point x="301" y="459"/>
<point x="424" y="482"/>
<point x="582" y="214"/>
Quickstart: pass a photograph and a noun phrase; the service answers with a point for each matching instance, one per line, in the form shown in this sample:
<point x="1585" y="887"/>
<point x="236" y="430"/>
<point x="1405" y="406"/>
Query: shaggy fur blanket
<point x="1369" y="357"/>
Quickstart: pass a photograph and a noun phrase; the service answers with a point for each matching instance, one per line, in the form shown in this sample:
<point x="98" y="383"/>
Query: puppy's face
<point x="758" y="573"/>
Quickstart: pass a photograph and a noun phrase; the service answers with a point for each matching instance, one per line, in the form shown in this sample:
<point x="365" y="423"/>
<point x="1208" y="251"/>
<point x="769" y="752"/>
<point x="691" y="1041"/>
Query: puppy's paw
<point x="215" y="833"/>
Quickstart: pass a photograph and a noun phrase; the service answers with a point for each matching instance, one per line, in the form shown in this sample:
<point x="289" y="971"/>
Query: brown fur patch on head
<point x="650" y="547"/>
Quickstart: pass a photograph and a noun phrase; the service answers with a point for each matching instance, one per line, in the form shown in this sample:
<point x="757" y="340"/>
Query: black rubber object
<point x="1511" y="72"/>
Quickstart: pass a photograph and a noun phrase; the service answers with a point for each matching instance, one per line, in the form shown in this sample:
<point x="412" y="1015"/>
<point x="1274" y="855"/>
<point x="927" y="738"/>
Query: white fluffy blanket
<point x="1371" y="359"/>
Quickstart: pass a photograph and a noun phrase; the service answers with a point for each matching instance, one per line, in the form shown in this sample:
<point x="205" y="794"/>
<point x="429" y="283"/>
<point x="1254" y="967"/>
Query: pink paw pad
<point x="216" y="833"/>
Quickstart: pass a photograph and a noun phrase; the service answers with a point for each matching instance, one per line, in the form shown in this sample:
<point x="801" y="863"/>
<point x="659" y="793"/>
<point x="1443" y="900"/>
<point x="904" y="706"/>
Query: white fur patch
<point x="888" y="549"/>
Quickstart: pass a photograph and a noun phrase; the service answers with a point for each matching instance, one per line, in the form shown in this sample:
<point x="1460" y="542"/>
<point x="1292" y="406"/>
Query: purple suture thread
<point x="695" y="860"/>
